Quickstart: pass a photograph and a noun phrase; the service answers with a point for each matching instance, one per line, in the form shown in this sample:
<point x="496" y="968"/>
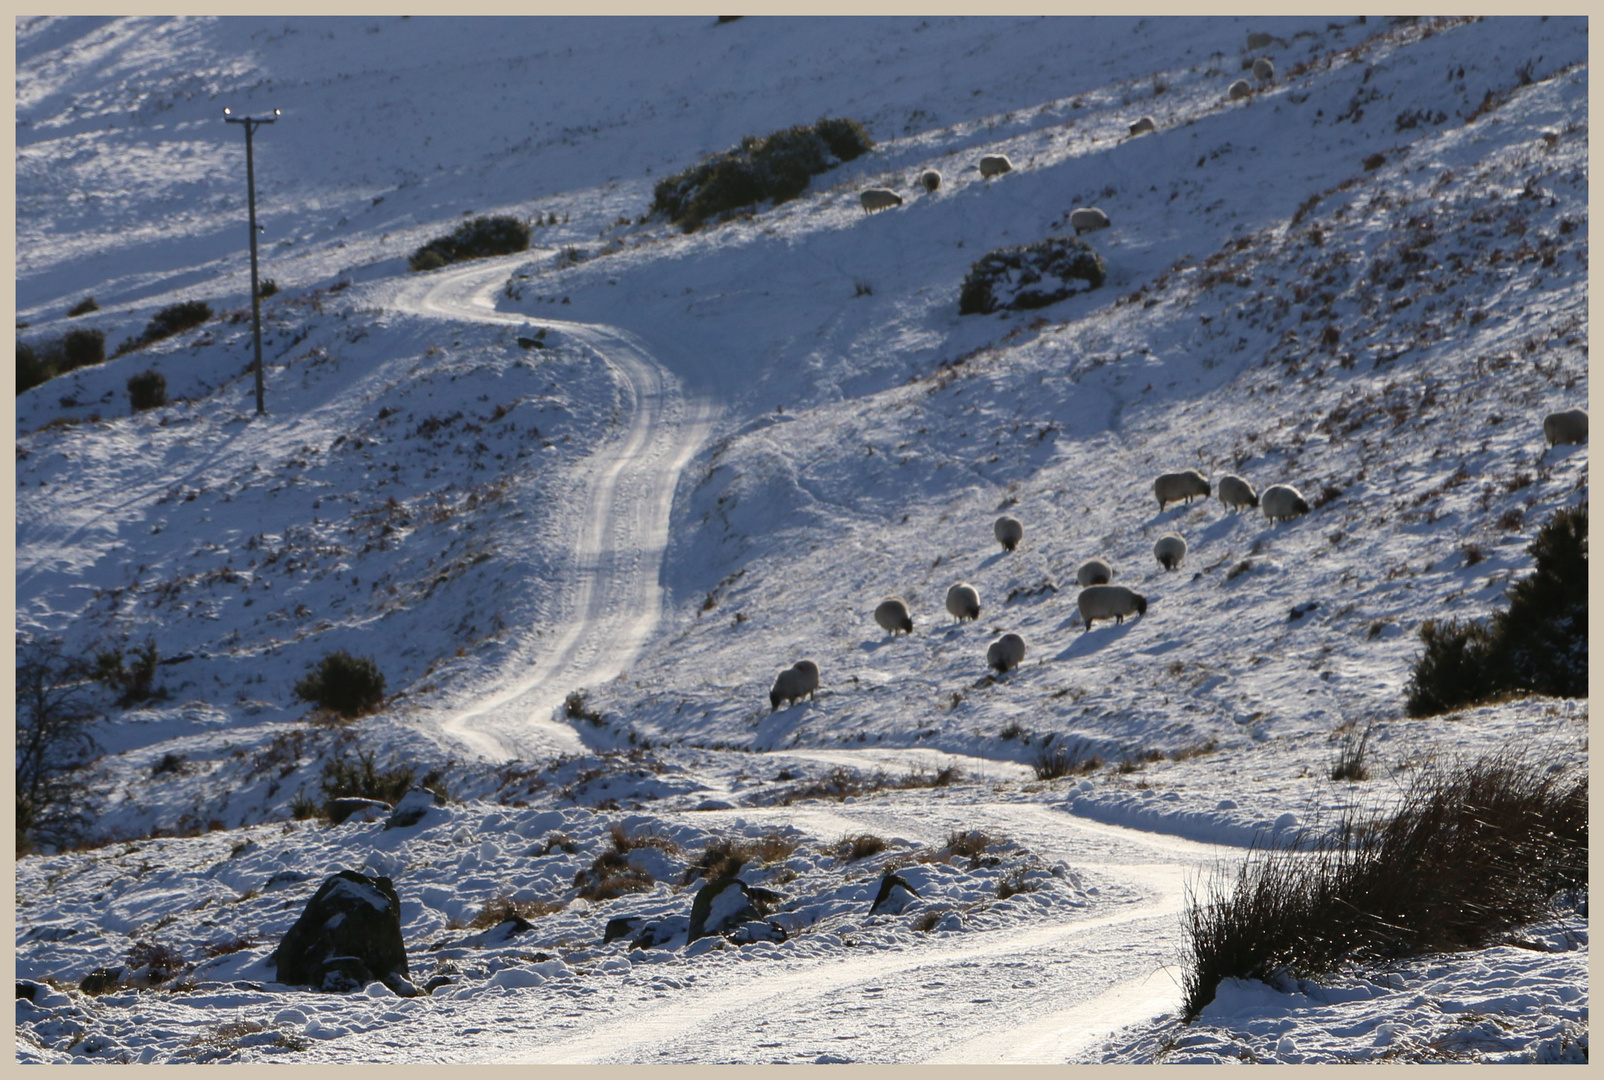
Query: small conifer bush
<point x="347" y="685"/>
<point x="147" y="390"/>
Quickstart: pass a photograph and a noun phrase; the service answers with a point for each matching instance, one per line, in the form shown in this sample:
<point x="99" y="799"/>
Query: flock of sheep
<point x="1099" y="600"/>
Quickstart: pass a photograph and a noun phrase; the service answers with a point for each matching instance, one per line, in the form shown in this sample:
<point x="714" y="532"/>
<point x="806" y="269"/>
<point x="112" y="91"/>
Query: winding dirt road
<point x="620" y="525"/>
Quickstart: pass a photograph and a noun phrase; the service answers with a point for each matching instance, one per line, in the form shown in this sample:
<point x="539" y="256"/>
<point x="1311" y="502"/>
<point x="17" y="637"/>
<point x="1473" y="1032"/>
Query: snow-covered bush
<point x="1030" y="276"/>
<point x="777" y="166"/>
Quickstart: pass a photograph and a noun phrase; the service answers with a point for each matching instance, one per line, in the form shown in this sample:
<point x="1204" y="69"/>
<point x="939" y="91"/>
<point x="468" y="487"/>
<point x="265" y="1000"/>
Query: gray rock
<point x="894" y="895"/>
<point x="412" y="808"/>
<point x="719" y="906"/>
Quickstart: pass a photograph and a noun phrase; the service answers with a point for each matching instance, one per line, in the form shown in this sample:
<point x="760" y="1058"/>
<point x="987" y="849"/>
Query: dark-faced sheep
<point x="879" y="199"/>
<point x="1281" y="502"/>
<point x="1086" y="219"/>
<point x="1239" y="90"/>
<point x="1006" y="652"/>
<point x="1109" y="602"/>
<point x="1008" y="531"/>
<point x="1094" y="572"/>
<point x="994" y="165"/>
<point x="1236" y="493"/>
<point x="1180" y="487"/>
<point x="893" y="617"/>
<point x="793" y="684"/>
<point x="1170" y="550"/>
<point x="930" y="180"/>
<point x="1263" y="70"/>
<point x="1143" y="126"/>
<point x="963" y="601"/>
<point x="1569" y="426"/>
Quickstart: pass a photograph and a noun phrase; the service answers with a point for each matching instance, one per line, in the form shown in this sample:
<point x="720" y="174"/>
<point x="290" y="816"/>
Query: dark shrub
<point x="266" y="287"/>
<point x="53" y="744"/>
<point x="32" y="367"/>
<point x="1538" y="646"/>
<point x="1030" y="276"/>
<point x="344" y="684"/>
<point x="170" y="320"/>
<point x="475" y="239"/>
<point x="777" y="166"/>
<point x="83" y="307"/>
<point x="1471" y="852"/>
<point x="83" y="347"/>
<point x="129" y="678"/>
<point x="1056" y="761"/>
<point x="344" y="778"/>
<point x="147" y="390"/>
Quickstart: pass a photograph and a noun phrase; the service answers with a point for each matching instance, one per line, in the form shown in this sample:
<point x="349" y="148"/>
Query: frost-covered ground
<point x="723" y="451"/>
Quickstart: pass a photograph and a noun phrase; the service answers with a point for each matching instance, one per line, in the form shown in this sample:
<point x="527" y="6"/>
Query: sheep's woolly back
<point x="1094" y="572"/>
<point x="1569" y="426"/>
<point x="963" y="601"/>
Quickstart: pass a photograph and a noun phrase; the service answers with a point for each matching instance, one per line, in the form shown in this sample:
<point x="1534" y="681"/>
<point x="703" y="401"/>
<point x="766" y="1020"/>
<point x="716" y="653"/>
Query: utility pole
<point x="251" y="124"/>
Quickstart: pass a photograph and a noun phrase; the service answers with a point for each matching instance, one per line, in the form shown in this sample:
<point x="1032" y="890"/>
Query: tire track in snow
<point x="620" y="526"/>
<point x="1031" y="992"/>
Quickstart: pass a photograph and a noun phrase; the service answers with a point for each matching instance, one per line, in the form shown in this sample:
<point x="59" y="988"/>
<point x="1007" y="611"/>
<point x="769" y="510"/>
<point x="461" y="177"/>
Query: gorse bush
<point x="170" y="320"/>
<point x="83" y="346"/>
<point x="777" y="166"/>
<point x="345" y="778"/>
<point x="475" y="239"/>
<point x="344" y="684"/>
<point x="1538" y="646"/>
<point x="129" y="677"/>
<point x="83" y="307"/>
<point x="44" y="360"/>
<point x="1030" y="276"/>
<point x="147" y="390"/>
<point x="1471" y="852"/>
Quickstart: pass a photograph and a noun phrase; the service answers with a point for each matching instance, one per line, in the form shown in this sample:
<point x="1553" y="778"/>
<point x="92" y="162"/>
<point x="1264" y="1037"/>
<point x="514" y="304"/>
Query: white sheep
<point x="1569" y="426"/>
<point x="1170" y="550"/>
<point x="1088" y="219"/>
<point x="1263" y="70"/>
<point x="1239" y="90"/>
<point x="1281" y="502"/>
<point x="1109" y="602"/>
<point x="994" y="165"/>
<point x="879" y="199"/>
<point x="793" y="684"/>
<point x="892" y="615"/>
<point x="1143" y="126"/>
<point x="1236" y="492"/>
<point x="1258" y="39"/>
<point x="1008" y="531"/>
<point x="1006" y="652"/>
<point x="963" y="601"/>
<point x="930" y="180"/>
<point x="1179" y="486"/>
<point x="1094" y="572"/>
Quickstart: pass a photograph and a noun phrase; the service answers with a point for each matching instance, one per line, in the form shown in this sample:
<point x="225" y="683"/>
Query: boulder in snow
<point x="350" y="930"/>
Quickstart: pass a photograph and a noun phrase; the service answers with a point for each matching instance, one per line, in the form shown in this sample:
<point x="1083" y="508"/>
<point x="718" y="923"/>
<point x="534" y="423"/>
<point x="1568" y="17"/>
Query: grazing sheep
<point x="963" y="601"/>
<point x="1088" y="219"/>
<point x="879" y="199"/>
<point x="1263" y="70"/>
<point x="1143" y="126"/>
<point x="794" y="683"/>
<point x="1170" y="550"/>
<point x="1281" y="502"/>
<point x="994" y="165"/>
<point x="1109" y="602"/>
<point x="1569" y="426"/>
<point x="1179" y="486"/>
<point x="1008" y="531"/>
<point x="1094" y="572"/>
<point x="1006" y="652"/>
<point x="930" y="180"/>
<point x="1236" y="492"/>
<point x="892" y="615"/>
<point x="1239" y="90"/>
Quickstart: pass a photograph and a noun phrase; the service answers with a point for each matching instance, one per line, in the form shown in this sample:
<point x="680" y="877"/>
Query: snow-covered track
<point x="620" y="527"/>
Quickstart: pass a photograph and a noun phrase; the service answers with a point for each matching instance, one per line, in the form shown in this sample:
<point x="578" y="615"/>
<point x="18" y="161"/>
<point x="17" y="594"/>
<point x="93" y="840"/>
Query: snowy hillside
<point x="582" y="503"/>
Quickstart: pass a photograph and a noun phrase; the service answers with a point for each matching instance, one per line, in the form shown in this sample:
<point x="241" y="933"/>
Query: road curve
<point x="620" y="526"/>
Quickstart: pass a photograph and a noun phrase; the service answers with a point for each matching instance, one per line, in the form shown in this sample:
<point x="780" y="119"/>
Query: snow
<point x="724" y="450"/>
